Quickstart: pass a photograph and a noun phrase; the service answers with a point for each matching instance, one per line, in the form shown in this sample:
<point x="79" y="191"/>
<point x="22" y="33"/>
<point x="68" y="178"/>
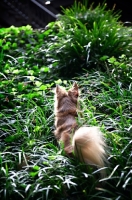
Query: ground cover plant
<point x="32" y="166"/>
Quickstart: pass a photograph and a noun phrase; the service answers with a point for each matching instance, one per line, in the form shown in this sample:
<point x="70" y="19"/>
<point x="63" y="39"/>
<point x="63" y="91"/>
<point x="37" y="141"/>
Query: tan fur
<point x="86" y="142"/>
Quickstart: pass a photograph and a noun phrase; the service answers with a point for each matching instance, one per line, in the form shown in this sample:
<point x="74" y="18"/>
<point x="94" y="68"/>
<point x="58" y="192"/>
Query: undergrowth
<point x="32" y="166"/>
<point x="85" y="34"/>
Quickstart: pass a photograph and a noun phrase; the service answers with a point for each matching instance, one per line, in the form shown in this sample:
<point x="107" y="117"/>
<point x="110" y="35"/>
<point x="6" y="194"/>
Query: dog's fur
<point x="86" y="143"/>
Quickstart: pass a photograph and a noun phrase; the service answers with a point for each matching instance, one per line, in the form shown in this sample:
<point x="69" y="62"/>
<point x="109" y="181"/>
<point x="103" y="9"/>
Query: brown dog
<point x="86" y="143"/>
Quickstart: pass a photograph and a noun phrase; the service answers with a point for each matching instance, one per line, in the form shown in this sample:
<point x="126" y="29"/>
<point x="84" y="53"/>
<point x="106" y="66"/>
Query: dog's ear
<point x="60" y="91"/>
<point x="74" y="90"/>
<point x="75" y="86"/>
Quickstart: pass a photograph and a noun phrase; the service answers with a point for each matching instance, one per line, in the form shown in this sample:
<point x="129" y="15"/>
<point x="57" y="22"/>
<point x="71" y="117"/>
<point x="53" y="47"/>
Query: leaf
<point x="47" y="32"/>
<point x="112" y="60"/>
<point x="38" y="83"/>
<point x="37" y="128"/>
<point x="11" y="138"/>
<point x="33" y="174"/>
<point x="43" y="87"/>
<point x="27" y="187"/>
<point x="65" y="82"/>
<point x="6" y="47"/>
<point x="103" y="58"/>
<point x="31" y="78"/>
<point x="14" y="45"/>
<point x="36" y="168"/>
<point x="51" y="157"/>
<point x="20" y="87"/>
<point x="44" y="69"/>
<point x="31" y="72"/>
<point x="127" y="182"/>
<point x="0" y="160"/>
<point x="123" y="66"/>
<point x="59" y="81"/>
<point x="1" y="41"/>
<point x="16" y="71"/>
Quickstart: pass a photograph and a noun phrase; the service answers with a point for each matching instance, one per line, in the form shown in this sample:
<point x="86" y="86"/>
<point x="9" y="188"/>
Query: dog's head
<point x="66" y="100"/>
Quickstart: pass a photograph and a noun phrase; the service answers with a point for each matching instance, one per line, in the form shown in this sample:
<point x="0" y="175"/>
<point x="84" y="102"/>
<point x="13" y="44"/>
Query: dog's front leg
<point x="66" y="139"/>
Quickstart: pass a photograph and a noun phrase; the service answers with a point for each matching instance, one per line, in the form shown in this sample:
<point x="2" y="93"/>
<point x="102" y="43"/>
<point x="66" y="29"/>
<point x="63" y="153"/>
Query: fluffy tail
<point x="89" y="146"/>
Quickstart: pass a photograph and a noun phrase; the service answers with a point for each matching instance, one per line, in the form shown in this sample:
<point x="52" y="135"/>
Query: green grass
<point x="32" y="166"/>
<point x="86" y="34"/>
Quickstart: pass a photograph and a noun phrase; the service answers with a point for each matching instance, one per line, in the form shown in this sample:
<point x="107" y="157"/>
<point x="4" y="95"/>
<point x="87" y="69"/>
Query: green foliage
<point x="84" y="35"/>
<point x="32" y="166"/>
<point x="119" y="68"/>
<point x="107" y="102"/>
<point x="25" y="72"/>
<point x="23" y="47"/>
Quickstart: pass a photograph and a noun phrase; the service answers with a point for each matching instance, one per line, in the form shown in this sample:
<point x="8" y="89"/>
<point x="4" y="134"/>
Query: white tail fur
<point x="88" y="146"/>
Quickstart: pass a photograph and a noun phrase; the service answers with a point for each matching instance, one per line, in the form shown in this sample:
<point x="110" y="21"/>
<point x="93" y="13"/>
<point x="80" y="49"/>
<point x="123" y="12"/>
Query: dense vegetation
<point x="95" y="49"/>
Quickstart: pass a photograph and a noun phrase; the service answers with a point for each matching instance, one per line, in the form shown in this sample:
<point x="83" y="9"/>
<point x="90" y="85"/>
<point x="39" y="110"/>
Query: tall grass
<point x="84" y="35"/>
<point x="109" y="104"/>
<point x="33" y="166"/>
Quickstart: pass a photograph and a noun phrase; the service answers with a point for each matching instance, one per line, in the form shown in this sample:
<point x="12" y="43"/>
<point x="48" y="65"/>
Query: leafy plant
<point x="119" y="68"/>
<point x="108" y="102"/>
<point x="84" y="35"/>
<point x="32" y="165"/>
